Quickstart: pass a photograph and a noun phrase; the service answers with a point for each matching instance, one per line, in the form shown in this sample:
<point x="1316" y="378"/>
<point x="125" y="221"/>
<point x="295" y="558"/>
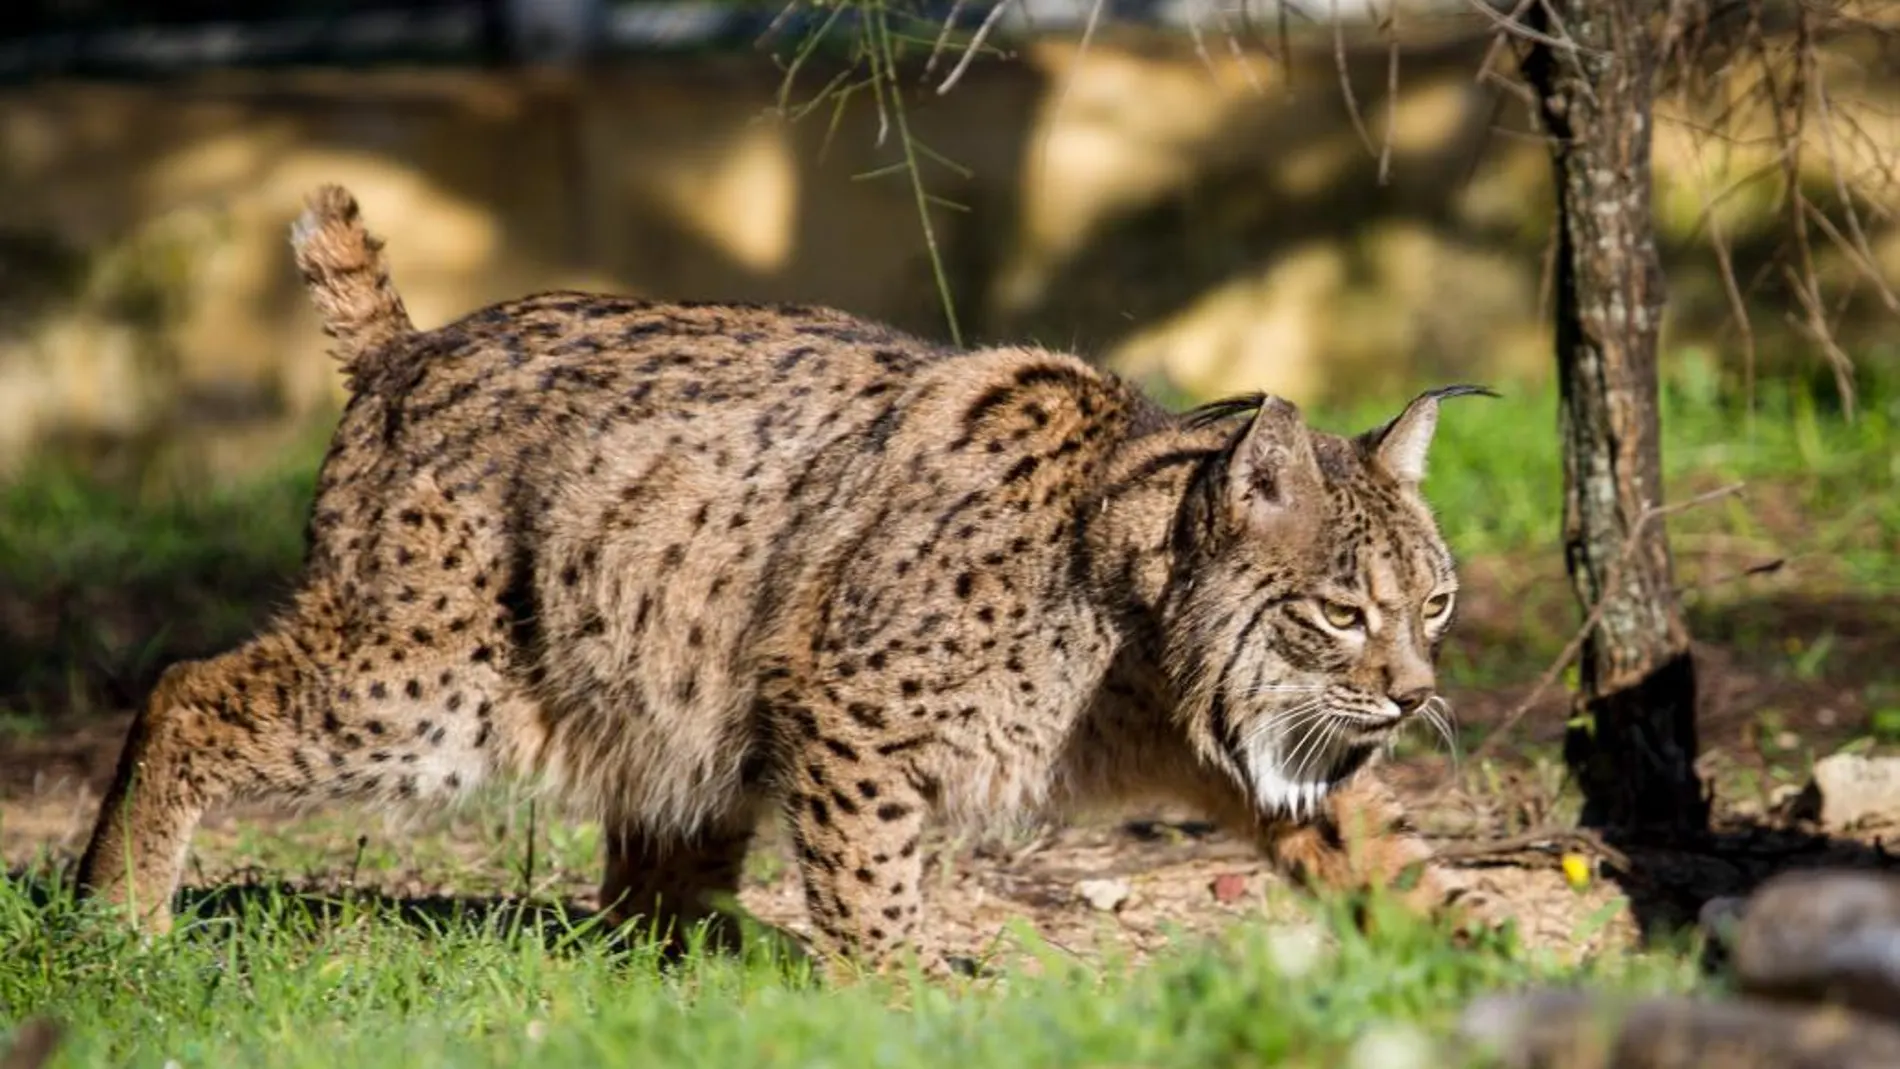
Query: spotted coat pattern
<point x="691" y="565"/>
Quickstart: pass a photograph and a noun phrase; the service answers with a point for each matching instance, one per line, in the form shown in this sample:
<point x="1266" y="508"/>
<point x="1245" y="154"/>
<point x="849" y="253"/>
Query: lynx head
<point x="1314" y="590"/>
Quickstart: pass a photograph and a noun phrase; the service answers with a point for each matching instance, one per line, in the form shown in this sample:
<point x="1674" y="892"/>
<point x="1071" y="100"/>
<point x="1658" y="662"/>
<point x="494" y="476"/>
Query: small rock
<point x="1105" y="895"/>
<point x="1229" y="887"/>
<point x="1850" y="789"/>
<point x="1823" y="936"/>
<point x="1583" y="1030"/>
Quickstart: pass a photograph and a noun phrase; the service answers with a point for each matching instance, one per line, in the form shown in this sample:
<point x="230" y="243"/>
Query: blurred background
<point x="1187" y="200"/>
<point x="1323" y="200"/>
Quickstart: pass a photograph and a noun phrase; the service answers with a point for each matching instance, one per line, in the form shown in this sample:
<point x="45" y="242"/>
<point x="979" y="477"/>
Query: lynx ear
<point x="1273" y="469"/>
<point x="1401" y="445"/>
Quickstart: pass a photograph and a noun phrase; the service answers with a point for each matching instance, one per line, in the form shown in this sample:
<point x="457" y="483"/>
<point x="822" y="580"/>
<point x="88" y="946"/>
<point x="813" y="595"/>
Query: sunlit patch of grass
<point x="282" y="980"/>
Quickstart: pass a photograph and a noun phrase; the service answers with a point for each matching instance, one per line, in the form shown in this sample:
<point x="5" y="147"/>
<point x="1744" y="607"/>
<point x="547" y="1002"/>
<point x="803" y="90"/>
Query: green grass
<point x="102" y="582"/>
<point x="280" y="982"/>
<point x="60" y="528"/>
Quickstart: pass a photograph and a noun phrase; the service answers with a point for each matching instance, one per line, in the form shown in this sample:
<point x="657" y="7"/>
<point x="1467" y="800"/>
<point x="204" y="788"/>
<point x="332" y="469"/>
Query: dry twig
<point x="1390" y="27"/>
<point x="1541" y="839"/>
<point x="943" y="35"/>
<point x="1233" y="46"/>
<point x="1509" y="24"/>
<point x="1725" y="264"/>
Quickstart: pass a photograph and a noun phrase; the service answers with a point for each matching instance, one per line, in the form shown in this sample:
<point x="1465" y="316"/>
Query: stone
<point x="1296" y="949"/>
<point x="33" y="1046"/>
<point x="1105" y="895"/>
<point x="1586" y="1030"/>
<point x="1822" y="936"/>
<point x="1848" y="790"/>
<point x="1228" y="887"/>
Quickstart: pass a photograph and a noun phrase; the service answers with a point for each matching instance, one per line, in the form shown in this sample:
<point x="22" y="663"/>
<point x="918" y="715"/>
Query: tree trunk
<point x="1633" y="744"/>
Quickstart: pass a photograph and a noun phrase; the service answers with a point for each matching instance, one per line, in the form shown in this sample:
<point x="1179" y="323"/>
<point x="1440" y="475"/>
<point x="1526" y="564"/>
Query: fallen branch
<point x="1538" y="839"/>
<point x="1769" y="567"/>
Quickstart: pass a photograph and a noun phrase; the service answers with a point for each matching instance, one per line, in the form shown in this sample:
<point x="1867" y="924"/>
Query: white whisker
<point x="1286" y="780"/>
<point x="1288" y="730"/>
<point x="1311" y="744"/>
<point x="1328" y="734"/>
<point x="1285" y="721"/>
<point x="1437" y="713"/>
<point x="1315" y="790"/>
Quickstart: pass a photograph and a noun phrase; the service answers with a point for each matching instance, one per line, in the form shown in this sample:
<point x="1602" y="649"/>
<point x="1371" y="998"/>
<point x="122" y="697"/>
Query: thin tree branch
<point x="1081" y="51"/>
<point x="943" y="36"/>
<point x="1508" y="24"/>
<point x="1538" y="839"/>
<point x="976" y="45"/>
<point x="884" y="73"/>
<point x="1390" y="27"/>
<point x="1345" y="83"/>
<point x="1595" y="615"/>
<point x="1233" y="47"/>
<point x="1738" y="308"/>
<point x="1859" y="248"/>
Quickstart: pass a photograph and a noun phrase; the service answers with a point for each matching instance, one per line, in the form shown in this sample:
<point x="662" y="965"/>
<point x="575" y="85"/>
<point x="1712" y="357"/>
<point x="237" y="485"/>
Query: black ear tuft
<point x="1400" y="446"/>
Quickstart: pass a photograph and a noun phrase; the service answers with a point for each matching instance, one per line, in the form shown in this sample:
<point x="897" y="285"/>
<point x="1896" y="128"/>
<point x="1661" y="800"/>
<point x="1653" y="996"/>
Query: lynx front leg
<point x="1359" y="840"/>
<point x="857" y="830"/>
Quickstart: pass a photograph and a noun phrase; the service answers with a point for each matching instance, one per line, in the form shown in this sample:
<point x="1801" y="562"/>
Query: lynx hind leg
<point x="287" y="717"/>
<point x="172" y="767"/>
<point x="670" y="884"/>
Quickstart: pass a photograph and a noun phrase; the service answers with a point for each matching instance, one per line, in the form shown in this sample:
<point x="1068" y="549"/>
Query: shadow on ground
<point x="1668" y="883"/>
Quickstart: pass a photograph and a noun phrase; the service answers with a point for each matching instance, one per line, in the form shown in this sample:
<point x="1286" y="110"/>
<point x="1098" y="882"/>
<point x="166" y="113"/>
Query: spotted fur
<point x="693" y="564"/>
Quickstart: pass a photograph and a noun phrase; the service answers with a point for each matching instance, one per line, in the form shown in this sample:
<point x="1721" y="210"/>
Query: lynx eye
<point x="1342" y="616"/>
<point x="1437" y="605"/>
